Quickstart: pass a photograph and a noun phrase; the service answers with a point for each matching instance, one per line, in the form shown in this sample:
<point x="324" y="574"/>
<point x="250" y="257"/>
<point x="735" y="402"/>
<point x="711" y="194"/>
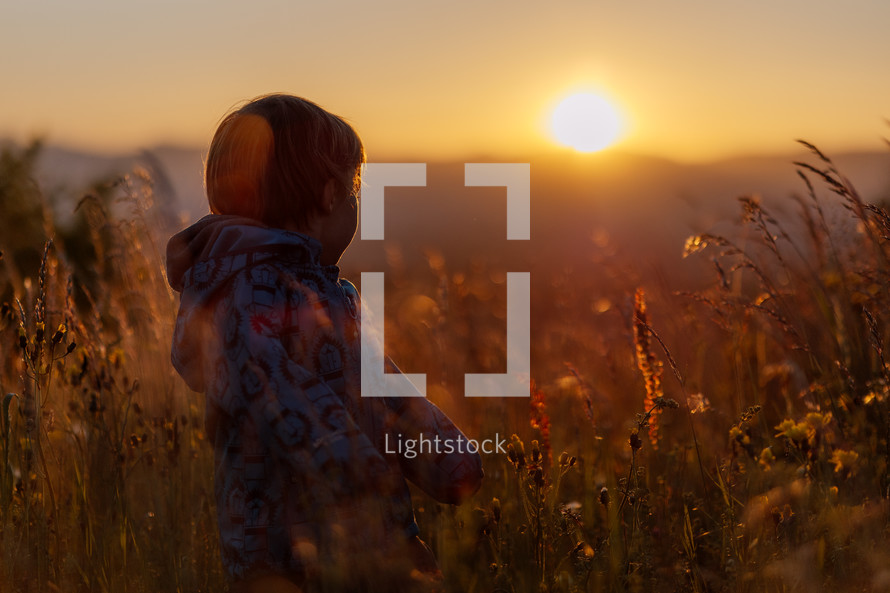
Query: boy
<point x="266" y="328"/>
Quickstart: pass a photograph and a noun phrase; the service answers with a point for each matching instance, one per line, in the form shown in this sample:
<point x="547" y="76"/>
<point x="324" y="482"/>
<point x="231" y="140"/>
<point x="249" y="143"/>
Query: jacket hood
<point x="217" y="239"/>
<point x="204" y="257"/>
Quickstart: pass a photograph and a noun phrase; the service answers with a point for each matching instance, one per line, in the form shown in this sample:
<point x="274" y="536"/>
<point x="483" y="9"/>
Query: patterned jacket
<point x="303" y="473"/>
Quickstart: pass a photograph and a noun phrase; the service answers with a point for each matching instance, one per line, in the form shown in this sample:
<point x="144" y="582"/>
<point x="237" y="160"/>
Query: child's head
<point x="271" y="159"/>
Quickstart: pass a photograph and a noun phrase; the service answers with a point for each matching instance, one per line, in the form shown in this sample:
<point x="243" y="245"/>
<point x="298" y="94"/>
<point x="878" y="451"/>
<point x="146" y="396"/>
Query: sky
<point x="693" y="80"/>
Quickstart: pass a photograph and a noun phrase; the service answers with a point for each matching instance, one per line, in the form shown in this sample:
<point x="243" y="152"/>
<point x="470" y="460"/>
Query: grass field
<point x="731" y="438"/>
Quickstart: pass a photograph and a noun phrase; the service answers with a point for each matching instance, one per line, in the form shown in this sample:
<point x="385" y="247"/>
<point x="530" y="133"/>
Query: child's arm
<point x="443" y="467"/>
<point x="448" y="470"/>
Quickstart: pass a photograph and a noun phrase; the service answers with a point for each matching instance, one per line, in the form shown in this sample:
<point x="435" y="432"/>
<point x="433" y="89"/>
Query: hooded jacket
<point x="304" y="472"/>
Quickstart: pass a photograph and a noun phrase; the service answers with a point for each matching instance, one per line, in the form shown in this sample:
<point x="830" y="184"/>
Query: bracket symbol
<point x="516" y="381"/>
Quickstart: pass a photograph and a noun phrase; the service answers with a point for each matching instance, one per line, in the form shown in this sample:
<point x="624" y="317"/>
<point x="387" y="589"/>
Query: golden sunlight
<point x="585" y="122"/>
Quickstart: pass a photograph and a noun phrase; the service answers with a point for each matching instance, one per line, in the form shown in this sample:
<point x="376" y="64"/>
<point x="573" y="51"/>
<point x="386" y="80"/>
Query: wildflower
<point x="566" y="460"/>
<point x="536" y="452"/>
<point x="695" y="244"/>
<point x="791" y="430"/>
<point x="496" y="510"/>
<point x="739" y="435"/>
<point x="649" y="366"/>
<point x="818" y="421"/>
<point x="766" y="458"/>
<point x="540" y="420"/>
<point x="844" y="461"/>
<point x="520" y="447"/>
<point x="604" y="496"/>
<point x="875" y="395"/>
<point x="516" y="452"/>
<point x="635" y="442"/>
<point x="511" y="454"/>
<point x="749" y="413"/>
<point x="662" y="403"/>
<point x="698" y="403"/>
<point x="60" y="334"/>
<point x="116" y="358"/>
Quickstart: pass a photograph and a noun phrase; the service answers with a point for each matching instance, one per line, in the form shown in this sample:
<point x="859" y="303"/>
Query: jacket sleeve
<point x="442" y="463"/>
<point x="448" y="469"/>
<point x="295" y="414"/>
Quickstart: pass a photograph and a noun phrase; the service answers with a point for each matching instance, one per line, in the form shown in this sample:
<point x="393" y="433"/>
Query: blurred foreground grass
<point x="729" y="439"/>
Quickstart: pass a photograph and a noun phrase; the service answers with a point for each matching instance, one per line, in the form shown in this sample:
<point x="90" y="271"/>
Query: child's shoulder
<point x="353" y="300"/>
<point x="278" y="280"/>
<point x="348" y="288"/>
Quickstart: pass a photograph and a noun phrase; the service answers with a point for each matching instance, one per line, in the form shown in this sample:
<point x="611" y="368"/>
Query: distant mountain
<point x="646" y="205"/>
<point x="176" y="172"/>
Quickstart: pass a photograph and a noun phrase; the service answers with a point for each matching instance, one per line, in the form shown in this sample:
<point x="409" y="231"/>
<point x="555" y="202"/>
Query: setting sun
<point x="585" y="122"/>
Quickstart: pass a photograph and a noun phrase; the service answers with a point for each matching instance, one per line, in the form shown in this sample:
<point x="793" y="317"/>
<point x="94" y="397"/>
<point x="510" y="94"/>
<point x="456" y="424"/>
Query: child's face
<point x="339" y="225"/>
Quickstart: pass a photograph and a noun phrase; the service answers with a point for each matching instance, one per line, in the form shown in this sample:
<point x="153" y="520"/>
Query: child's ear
<point x="329" y="196"/>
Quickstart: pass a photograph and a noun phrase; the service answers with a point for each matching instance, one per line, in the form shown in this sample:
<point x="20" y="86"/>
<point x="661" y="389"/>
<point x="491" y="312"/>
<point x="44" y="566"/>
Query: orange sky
<point x="695" y="79"/>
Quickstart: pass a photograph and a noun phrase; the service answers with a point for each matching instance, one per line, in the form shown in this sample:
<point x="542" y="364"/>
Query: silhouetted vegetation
<point x="735" y="438"/>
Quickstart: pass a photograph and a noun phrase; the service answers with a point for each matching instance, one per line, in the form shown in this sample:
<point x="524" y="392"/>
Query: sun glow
<point x="585" y="122"/>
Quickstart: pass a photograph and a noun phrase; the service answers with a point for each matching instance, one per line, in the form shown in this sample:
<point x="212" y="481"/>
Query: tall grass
<point x="735" y="438"/>
<point x="106" y="480"/>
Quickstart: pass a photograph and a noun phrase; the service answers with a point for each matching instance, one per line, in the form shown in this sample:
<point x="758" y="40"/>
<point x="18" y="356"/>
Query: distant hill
<point x="176" y="172"/>
<point x="645" y="206"/>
